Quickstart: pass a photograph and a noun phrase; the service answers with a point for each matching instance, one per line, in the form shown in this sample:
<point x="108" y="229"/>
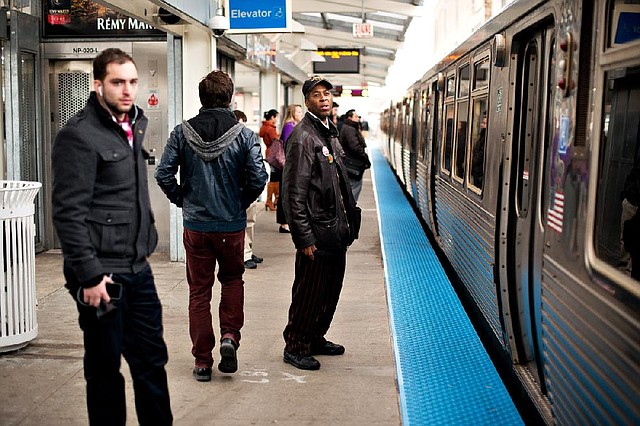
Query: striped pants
<point x="314" y="297"/>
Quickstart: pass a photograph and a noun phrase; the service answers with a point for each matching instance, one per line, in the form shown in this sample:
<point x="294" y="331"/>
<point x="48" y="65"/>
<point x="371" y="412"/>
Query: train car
<point x="520" y="150"/>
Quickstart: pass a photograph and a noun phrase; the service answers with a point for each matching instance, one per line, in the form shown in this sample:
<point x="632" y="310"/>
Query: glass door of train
<point x="532" y="55"/>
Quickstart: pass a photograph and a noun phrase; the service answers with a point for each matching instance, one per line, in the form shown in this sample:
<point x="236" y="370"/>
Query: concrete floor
<point x="43" y="384"/>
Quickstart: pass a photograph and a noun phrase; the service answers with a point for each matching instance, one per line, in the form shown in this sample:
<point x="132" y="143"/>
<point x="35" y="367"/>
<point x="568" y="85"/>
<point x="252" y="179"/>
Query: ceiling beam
<point x="324" y="38"/>
<point x="370" y="6"/>
<point x="377" y="60"/>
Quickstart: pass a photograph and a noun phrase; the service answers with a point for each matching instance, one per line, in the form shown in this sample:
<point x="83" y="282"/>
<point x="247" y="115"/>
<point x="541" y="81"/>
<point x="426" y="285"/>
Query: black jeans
<point x="133" y="330"/>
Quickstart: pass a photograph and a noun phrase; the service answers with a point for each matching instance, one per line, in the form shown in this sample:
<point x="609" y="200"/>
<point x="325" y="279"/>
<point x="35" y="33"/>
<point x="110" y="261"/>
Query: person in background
<point x="334" y="117"/>
<point x="222" y="173"/>
<point x="353" y="143"/>
<point x="316" y="193"/>
<point x="268" y="133"/>
<point x="102" y="215"/>
<point x="630" y="219"/>
<point x="251" y="261"/>
<point x="292" y="116"/>
<point x="364" y="128"/>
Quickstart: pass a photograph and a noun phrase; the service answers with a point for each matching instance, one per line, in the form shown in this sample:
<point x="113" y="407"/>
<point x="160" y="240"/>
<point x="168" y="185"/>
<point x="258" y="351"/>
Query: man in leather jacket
<point x="324" y="221"/>
<point x="356" y="158"/>
<point x="222" y="172"/>
<point x="102" y="215"/>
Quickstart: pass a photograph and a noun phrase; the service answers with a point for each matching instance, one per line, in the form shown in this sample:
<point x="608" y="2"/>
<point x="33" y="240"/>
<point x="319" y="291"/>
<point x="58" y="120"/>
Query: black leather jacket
<point x="318" y="202"/>
<point x="353" y="142"/>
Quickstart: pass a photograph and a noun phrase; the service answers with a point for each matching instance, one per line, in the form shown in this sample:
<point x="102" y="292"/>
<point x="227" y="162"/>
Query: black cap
<point x="313" y="82"/>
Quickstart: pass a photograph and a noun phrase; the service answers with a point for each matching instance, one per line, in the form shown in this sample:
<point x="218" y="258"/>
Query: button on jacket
<point x="101" y="207"/>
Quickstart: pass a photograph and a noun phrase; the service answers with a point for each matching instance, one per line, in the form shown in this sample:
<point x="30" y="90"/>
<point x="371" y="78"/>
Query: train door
<point x="434" y="135"/>
<point x="531" y="57"/>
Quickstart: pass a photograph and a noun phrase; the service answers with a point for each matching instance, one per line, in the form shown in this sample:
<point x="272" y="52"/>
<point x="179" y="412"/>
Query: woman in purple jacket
<point x="292" y="116"/>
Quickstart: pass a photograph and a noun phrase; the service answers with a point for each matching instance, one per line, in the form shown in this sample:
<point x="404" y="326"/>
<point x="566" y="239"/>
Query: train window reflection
<point x="451" y="86"/>
<point x="461" y="142"/>
<point x="426" y="126"/>
<point x="464" y="81"/>
<point x="448" y="138"/>
<point x="617" y="230"/>
<point x="481" y="74"/>
<point x="478" y="140"/>
<point x="624" y="21"/>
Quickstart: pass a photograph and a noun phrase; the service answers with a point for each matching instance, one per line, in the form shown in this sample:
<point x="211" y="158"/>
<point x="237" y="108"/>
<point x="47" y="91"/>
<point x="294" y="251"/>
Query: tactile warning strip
<point x="445" y="376"/>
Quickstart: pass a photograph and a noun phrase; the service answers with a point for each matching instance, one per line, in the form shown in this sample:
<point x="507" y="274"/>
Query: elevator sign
<point x="264" y="16"/>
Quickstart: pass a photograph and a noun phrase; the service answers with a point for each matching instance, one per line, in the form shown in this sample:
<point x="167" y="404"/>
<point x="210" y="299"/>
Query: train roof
<point x="495" y="25"/>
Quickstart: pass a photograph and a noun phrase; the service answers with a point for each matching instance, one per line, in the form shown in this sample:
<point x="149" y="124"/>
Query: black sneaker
<point x="250" y="264"/>
<point x="303" y="362"/>
<point x="329" y="348"/>
<point x="202" y="374"/>
<point x="228" y="360"/>
<point x="256" y="258"/>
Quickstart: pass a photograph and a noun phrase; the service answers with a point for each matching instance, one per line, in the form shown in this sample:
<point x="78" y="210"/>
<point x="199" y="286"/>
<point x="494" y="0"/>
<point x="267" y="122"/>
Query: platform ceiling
<point x="326" y="23"/>
<point x="329" y="23"/>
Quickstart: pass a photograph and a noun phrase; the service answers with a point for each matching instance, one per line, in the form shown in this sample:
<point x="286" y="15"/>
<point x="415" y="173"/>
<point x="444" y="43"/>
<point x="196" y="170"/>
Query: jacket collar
<point x="352" y="123"/>
<point x="329" y="132"/>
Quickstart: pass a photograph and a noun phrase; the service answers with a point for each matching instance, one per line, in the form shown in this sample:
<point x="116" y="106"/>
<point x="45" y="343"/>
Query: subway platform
<point x="386" y="376"/>
<point x="43" y="383"/>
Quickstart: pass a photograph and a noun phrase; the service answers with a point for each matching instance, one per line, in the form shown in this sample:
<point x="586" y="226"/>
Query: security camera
<point x="218" y="24"/>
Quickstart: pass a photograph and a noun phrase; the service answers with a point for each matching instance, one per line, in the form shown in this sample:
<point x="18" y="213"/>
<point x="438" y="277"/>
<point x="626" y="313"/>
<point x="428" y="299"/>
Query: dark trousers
<point x="280" y="218"/>
<point x="133" y="330"/>
<point x="314" y="297"/>
<point x="204" y="250"/>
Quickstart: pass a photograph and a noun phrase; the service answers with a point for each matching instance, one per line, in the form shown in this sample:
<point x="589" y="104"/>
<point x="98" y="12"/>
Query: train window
<point x="461" y="142"/>
<point x="481" y="74"/>
<point x="478" y="140"/>
<point x="617" y="233"/>
<point x="463" y="89"/>
<point x="624" y="21"/>
<point x="426" y="122"/>
<point x="448" y="138"/>
<point x="451" y="86"/>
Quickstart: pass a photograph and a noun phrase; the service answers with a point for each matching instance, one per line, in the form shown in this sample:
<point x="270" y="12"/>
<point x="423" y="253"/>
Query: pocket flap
<point x="113" y="155"/>
<point x="109" y="217"/>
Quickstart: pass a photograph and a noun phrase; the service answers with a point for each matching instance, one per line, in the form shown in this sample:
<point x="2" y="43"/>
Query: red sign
<point x="153" y="101"/>
<point x="362" y="30"/>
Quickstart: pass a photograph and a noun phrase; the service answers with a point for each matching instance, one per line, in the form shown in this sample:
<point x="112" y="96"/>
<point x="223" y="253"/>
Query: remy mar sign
<point x="264" y="16"/>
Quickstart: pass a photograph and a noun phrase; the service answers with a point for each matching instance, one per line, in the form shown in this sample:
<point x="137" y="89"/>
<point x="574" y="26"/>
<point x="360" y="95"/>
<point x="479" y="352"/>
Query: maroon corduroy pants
<point x="204" y="250"/>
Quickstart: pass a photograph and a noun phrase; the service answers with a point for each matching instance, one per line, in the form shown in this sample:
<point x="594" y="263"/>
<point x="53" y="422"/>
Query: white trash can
<point x="18" y="325"/>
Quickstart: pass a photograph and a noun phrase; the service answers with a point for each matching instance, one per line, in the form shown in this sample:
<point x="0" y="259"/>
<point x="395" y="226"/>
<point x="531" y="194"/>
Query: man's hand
<point x="308" y="251"/>
<point x="94" y="295"/>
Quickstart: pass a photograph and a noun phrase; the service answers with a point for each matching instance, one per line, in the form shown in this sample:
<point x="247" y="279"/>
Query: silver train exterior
<point x="515" y="149"/>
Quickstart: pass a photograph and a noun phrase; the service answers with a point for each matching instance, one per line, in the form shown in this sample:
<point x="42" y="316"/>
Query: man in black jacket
<point x="102" y="214"/>
<point x="356" y="159"/>
<point x="324" y="221"/>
